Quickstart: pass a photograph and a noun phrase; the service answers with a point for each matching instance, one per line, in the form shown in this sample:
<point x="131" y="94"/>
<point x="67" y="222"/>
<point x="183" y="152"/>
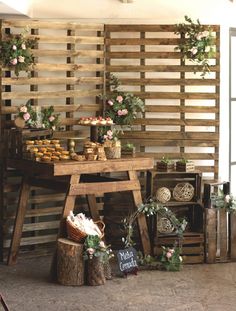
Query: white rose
<point x="194" y="50"/>
<point x="227" y="198"/>
<point x="207" y="49"/>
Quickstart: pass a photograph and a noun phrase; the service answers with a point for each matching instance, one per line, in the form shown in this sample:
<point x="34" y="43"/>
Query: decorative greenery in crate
<point x="185" y="165"/>
<point x="128" y="149"/>
<point x="197" y="44"/>
<point x="15" y="52"/>
<point x="165" y="165"/>
<point x="227" y="201"/>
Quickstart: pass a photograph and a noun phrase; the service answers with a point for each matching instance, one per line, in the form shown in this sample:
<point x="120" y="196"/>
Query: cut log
<point x="70" y="263"/>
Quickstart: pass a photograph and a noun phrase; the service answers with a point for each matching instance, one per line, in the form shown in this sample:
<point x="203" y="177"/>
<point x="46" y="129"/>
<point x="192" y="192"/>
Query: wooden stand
<point x="70" y="263"/>
<point x="95" y="272"/>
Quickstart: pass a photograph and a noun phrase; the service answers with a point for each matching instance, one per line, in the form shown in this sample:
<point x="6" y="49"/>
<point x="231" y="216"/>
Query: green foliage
<point x="122" y="107"/>
<point x="171" y="259"/>
<point x="183" y="161"/>
<point x="197" y="45"/>
<point x="95" y="247"/>
<point x="149" y="209"/>
<point x="15" y="52"/>
<point x="128" y="146"/>
<point x="29" y="115"/>
<point x="224" y="201"/>
<point x="166" y="160"/>
<point x="49" y="118"/>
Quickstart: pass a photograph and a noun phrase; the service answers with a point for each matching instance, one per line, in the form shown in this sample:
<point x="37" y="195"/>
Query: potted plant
<point x="165" y="165"/>
<point x="128" y="149"/>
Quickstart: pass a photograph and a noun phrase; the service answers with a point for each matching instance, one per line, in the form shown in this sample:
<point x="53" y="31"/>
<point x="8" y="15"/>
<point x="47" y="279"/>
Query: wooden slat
<point x="148" y="28"/>
<point x="185" y="122"/>
<point x="223" y="240"/>
<point x="65" y="53"/>
<point x="34" y="240"/>
<point x="52" y="80"/>
<point x="158" y="68"/>
<point x="164" y="81"/>
<point x="179" y="155"/>
<point x="52" y="25"/>
<point x="186" y="109"/>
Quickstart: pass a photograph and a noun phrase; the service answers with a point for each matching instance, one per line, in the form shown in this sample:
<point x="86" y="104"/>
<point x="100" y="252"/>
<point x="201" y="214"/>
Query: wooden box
<point x="185" y="167"/>
<point x="192" y="246"/>
<point x="165" y="167"/>
<point x="17" y="137"/>
<point x="220" y="228"/>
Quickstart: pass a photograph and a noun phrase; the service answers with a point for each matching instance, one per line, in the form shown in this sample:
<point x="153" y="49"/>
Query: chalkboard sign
<point x="127" y="260"/>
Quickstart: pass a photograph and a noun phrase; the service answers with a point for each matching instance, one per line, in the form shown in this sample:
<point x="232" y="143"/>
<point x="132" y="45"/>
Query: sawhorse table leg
<point x="19" y="221"/>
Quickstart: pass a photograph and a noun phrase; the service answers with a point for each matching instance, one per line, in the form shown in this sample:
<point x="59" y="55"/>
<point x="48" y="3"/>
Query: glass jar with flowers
<point x="110" y="139"/>
<point x="15" y="52"/>
<point x="122" y="107"/>
<point x="36" y="117"/>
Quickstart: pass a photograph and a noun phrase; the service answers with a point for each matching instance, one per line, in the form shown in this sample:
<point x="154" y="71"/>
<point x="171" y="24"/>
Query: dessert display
<point x="45" y="150"/>
<point x="100" y="121"/>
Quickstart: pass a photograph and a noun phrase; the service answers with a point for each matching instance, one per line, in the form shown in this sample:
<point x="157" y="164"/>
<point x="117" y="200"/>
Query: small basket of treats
<point x="79" y="226"/>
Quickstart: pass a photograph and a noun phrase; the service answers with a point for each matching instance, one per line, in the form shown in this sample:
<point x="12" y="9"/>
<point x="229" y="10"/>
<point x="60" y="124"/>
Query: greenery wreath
<point x="15" y="52"/>
<point x="197" y="45"/>
<point x="149" y="209"/>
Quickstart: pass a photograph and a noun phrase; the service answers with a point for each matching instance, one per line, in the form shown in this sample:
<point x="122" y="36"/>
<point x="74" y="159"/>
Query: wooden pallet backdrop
<point x="68" y="74"/>
<point x="181" y="108"/>
<point x="181" y="114"/>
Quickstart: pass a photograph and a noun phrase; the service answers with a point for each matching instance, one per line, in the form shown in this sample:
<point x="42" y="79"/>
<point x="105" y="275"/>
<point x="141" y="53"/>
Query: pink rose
<point x="14" y="47"/>
<point x="23" y="46"/>
<point x="168" y="255"/>
<point x="26" y="116"/>
<point x="102" y="244"/>
<point x="119" y="98"/>
<point x="51" y="118"/>
<point x="124" y="112"/>
<point x="90" y="250"/>
<point x="120" y="113"/>
<point x="109" y="133"/>
<point x="21" y="59"/>
<point x="105" y="137"/>
<point x="23" y="109"/>
<point x="194" y="50"/>
<point x="110" y="102"/>
<point x="13" y="61"/>
<point x="171" y="250"/>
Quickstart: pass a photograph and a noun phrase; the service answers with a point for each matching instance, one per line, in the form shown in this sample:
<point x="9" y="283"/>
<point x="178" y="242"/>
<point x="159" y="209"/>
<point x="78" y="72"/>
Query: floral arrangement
<point x="95" y="247"/>
<point x="197" y="45"/>
<point x="122" y="107"/>
<point x="171" y="259"/>
<point x="15" y="52"/>
<point x="49" y="118"/>
<point x="226" y="201"/>
<point x="45" y="119"/>
<point x="108" y="135"/>
<point x="149" y="209"/>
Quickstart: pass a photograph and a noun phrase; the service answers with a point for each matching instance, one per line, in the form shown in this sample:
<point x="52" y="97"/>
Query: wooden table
<point x="41" y="174"/>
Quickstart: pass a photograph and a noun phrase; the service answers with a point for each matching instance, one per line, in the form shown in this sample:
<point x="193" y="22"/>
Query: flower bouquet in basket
<point x="111" y="142"/>
<point x="171" y="259"/>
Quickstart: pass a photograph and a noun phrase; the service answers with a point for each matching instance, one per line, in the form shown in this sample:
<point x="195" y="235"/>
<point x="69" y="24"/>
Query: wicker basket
<point x="79" y="236"/>
<point x="183" y="192"/>
<point x="113" y="152"/>
<point x="163" y="194"/>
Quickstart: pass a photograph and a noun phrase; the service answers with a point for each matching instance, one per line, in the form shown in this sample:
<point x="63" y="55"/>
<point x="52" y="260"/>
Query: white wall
<point x="151" y="11"/>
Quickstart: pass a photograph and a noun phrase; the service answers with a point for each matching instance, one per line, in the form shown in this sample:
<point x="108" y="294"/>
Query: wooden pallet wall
<point x="181" y="108"/>
<point x="68" y="74"/>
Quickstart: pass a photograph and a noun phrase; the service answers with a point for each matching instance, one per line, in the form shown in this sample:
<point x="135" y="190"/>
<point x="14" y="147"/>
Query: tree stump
<point x="95" y="272"/>
<point x="70" y="263"/>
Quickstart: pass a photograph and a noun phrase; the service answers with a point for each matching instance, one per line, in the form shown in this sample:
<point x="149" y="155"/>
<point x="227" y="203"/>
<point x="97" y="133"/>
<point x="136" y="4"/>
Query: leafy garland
<point x="15" y="52"/>
<point x="122" y="107"/>
<point x="149" y="209"/>
<point x="197" y="45"/>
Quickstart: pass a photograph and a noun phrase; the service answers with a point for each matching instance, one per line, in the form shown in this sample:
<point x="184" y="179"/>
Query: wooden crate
<point x="220" y="228"/>
<point x="185" y="167"/>
<point x="192" y="246"/>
